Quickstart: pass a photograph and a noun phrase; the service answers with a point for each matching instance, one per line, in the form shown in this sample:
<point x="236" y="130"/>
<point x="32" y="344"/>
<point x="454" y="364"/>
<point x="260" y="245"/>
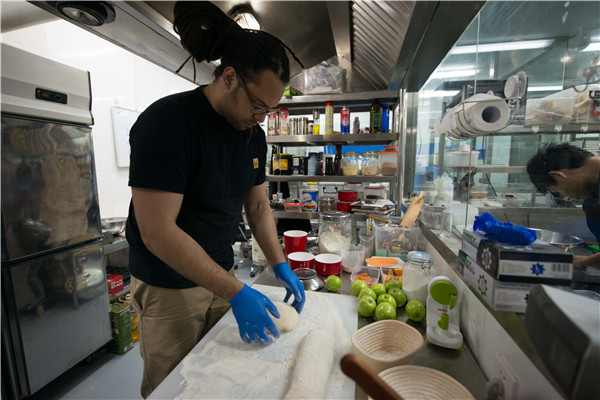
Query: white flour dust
<point x="227" y="368"/>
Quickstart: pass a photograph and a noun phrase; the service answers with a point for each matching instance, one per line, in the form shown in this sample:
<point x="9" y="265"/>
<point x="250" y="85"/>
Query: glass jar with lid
<point x="335" y="231"/>
<point x="370" y="163"/>
<point x="416" y="274"/>
<point x="327" y="203"/>
<point x="350" y="163"/>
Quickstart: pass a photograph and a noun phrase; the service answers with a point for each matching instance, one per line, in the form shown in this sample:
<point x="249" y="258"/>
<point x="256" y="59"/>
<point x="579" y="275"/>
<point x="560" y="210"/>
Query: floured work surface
<point x="222" y="366"/>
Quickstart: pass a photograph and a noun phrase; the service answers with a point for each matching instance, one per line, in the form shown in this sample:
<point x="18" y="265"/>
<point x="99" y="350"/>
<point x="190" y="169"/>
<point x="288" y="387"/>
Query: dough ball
<point x="288" y="317"/>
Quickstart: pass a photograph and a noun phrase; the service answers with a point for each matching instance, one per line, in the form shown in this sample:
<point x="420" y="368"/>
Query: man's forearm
<point x="182" y="253"/>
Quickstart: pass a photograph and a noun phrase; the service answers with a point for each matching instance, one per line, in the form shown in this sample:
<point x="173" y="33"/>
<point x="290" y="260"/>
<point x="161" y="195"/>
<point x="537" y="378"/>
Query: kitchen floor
<point x="110" y="376"/>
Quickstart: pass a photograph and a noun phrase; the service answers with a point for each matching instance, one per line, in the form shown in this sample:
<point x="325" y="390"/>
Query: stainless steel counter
<point x="461" y="365"/>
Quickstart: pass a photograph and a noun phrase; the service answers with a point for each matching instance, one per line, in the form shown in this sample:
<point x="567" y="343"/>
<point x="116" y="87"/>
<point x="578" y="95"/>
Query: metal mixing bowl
<point x="116" y="226"/>
<point x="309" y="279"/>
<point x="565" y="242"/>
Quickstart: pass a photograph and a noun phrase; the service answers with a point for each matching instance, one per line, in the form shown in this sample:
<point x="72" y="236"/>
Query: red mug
<point x="301" y="260"/>
<point x="328" y="264"/>
<point x="294" y="241"/>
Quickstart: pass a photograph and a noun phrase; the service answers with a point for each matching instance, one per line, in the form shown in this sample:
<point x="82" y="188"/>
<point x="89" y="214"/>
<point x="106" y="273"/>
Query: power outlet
<point x="504" y="372"/>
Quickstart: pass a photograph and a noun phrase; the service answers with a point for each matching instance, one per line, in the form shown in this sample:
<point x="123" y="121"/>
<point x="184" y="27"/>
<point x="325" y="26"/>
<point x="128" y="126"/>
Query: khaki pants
<point x="171" y="322"/>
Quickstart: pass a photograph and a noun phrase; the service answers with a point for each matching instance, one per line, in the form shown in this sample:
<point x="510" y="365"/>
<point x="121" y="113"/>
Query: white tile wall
<point x="486" y="338"/>
<point x="119" y="78"/>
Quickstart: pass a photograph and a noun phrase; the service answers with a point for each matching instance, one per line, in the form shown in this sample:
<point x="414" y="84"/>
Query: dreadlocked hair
<point x="208" y="34"/>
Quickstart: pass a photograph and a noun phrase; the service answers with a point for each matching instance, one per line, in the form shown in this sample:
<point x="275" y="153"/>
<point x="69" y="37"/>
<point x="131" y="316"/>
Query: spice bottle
<point x="329" y="118"/>
<point x="375" y="117"/>
<point x="283" y="122"/>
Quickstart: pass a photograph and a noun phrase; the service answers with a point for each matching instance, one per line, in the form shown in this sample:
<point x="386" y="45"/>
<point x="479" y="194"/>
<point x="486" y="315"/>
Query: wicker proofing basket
<point x="388" y="343"/>
<point x="413" y="382"/>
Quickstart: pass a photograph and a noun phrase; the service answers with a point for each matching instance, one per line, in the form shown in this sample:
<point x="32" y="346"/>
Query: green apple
<point x="385" y="310"/>
<point x="378" y="288"/>
<point x="366" y="306"/>
<point x="392" y="283"/>
<point x="398" y="295"/>
<point x="357" y="286"/>
<point x="333" y="283"/>
<point x="415" y="310"/>
<point x="386" y="298"/>
<point x="367" y="292"/>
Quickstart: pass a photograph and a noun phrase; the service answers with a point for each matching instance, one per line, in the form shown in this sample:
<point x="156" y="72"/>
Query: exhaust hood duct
<point x="94" y="13"/>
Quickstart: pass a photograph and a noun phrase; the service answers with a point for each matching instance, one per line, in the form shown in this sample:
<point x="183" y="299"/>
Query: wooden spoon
<point x="367" y="379"/>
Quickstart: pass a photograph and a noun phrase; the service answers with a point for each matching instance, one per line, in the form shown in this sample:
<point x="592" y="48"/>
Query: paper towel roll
<point x="486" y="113"/>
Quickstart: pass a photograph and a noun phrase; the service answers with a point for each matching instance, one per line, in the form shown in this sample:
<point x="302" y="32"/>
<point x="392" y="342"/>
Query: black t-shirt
<point x="591" y="207"/>
<point x="180" y="144"/>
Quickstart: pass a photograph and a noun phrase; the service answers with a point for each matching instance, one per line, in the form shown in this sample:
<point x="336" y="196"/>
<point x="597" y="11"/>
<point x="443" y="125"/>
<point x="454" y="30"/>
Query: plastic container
<point x="313" y="163"/>
<point x="461" y="158"/>
<point x="352" y="256"/>
<point x="293" y="207"/>
<point x="375" y="192"/>
<point x="345" y="206"/>
<point x="350" y="163"/>
<point x="347" y="195"/>
<point x="370" y="163"/>
<point x="393" y="241"/>
<point x="367" y="274"/>
<point x="335" y="231"/>
<point x="389" y="162"/>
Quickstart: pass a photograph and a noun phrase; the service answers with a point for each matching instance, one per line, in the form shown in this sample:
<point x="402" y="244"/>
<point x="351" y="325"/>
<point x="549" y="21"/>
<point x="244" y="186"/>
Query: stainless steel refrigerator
<point x="54" y="292"/>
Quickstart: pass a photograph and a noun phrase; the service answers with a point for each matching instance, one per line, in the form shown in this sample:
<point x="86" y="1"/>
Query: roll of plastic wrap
<point x="445" y="123"/>
<point x="486" y="112"/>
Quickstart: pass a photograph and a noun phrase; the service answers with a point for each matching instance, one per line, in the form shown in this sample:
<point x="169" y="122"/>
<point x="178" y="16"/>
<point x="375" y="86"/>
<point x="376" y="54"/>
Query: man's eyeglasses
<point x="256" y="109"/>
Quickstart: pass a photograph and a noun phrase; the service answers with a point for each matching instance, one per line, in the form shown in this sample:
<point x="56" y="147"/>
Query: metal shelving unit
<point x="360" y="101"/>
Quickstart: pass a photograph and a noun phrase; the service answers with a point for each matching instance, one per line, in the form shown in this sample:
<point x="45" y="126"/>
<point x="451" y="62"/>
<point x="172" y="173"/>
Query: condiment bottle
<point x="416" y="274"/>
<point x="356" y="126"/>
<point x="345" y="120"/>
<point x="283" y="121"/>
<point x="329" y="118"/>
<point x="316" y="123"/>
<point x="375" y="116"/>
<point x="385" y="119"/>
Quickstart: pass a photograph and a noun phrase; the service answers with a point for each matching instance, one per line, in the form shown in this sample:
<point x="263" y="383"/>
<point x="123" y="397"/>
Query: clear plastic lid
<point x="420" y="257"/>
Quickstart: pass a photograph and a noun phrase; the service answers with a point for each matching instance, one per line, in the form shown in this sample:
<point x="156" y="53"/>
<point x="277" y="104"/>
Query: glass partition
<point x="541" y="59"/>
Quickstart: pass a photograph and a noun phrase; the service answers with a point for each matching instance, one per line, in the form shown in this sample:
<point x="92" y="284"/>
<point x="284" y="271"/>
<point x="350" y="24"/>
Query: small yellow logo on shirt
<point x="255" y="162"/>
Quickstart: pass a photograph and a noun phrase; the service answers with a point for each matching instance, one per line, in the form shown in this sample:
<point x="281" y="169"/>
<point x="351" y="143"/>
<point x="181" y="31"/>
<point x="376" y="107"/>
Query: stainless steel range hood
<point x="381" y="44"/>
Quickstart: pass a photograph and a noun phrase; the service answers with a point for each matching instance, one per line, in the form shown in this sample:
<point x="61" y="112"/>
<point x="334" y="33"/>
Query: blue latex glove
<point x="292" y="285"/>
<point x="250" y="310"/>
<point x="503" y="232"/>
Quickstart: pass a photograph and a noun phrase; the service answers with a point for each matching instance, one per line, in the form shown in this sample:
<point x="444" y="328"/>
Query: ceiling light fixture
<point x="544" y="88"/>
<point x="93" y="13"/>
<point x="453" y="73"/>
<point x="245" y="17"/>
<point x="595" y="46"/>
<point x="505" y="46"/>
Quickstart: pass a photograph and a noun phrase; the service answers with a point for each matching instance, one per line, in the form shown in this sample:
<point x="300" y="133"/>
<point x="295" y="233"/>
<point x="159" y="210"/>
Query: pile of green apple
<point x="381" y="301"/>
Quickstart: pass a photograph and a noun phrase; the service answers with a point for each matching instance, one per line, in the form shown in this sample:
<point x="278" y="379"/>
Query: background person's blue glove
<point x="292" y="285"/>
<point x="250" y="310"/>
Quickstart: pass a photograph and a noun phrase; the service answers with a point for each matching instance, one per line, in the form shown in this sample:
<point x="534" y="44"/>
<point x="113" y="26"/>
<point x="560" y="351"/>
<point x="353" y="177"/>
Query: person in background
<point x="197" y="158"/>
<point x="569" y="170"/>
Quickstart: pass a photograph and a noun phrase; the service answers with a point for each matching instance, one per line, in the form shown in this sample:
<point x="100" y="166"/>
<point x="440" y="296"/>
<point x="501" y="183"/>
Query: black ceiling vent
<point x="94" y="13"/>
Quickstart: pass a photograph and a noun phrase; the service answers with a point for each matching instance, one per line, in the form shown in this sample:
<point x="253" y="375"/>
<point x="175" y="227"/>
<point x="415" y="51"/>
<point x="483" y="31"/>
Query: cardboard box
<point x="120" y="322"/>
<point x="503" y="296"/>
<point x="538" y="262"/>
<point x="115" y="283"/>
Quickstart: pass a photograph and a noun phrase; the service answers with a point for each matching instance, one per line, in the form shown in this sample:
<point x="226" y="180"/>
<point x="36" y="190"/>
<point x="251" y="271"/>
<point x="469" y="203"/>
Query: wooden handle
<point x="378" y="219"/>
<point x="367" y="379"/>
<point x="410" y="217"/>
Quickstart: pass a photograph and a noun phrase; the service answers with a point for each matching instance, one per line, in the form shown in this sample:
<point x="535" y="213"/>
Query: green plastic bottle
<point x="375" y="117"/>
